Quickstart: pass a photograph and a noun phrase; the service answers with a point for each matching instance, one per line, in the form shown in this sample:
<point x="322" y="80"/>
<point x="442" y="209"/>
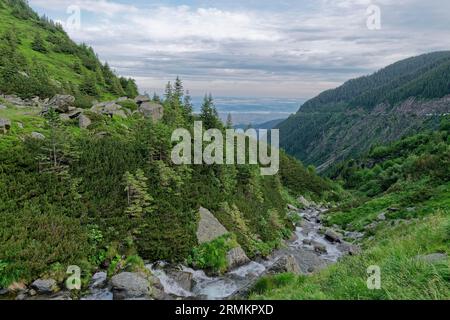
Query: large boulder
<point x="5" y="125"/>
<point x="182" y="278"/>
<point x="236" y="257"/>
<point x="84" y="121"/>
<point x="61" y="103"/>
<point x="99" y="280"/>
<point x="109" y="108"/>
<point x="128" y="285"/>
<point x="333" y="236"/>
<point x="142" y="98"/>
<point x="45" y="286"/>
<point x="285" y="264"/>
<point x="209" y="228"/>
<point x="152" y="110"/>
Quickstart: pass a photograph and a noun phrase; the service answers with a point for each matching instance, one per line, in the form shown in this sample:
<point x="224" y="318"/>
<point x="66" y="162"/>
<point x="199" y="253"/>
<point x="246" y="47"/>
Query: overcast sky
<point x="287" y="48"/>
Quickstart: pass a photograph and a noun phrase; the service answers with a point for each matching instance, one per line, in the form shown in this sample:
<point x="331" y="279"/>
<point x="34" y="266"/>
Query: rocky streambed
<point x="312" y="248"/>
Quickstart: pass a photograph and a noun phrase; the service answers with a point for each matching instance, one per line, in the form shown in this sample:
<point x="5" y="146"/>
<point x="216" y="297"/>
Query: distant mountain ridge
<point x="401" y="99"/>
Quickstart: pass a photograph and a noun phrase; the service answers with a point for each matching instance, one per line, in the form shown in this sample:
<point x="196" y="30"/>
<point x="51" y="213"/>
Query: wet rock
<point x="285" y="264"/>
<point x="152" y="110"/>
<point x="37" y="135"/>
<point x="333" y="236"/>
<point x="307" y="242"/>
<point x="182" y="278"/>
<point x="127" y="285"/>
<point x="99" y="280"/>
<point x="236" y="257"/>
<point x="84" y="121"/>
<point x="61" y="103"/>
<point x="209" y="228"/>
<point x="319" y="247"/>
<point x="44" y="286"/>
<point x="432" y="258"/>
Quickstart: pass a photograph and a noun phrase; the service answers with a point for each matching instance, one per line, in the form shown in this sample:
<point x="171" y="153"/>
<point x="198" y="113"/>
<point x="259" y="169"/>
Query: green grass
<point x="394" y="251"/>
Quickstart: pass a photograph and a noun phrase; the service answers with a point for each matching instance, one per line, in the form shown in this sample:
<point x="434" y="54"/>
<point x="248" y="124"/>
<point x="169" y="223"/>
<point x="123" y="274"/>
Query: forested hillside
<point x="37" y="58"/>
<point x="398" y="100"/>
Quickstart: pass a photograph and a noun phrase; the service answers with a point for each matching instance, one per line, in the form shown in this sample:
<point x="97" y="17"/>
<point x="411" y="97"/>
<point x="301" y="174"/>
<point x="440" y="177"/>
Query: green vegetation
<point x="408" y="182"/>
<point x="37" y="58"/>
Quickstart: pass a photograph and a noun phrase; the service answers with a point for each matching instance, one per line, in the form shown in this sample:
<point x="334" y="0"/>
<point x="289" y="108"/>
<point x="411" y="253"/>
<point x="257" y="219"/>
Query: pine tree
<point x="38" y="44"/>
<point x="89" y="85"/>
<point x="229" y="121"/>
<point x="178" y="90"/>
<point x="187" y="103"/>
<point x="139" y="200"/>
<point x="209" y="114"/>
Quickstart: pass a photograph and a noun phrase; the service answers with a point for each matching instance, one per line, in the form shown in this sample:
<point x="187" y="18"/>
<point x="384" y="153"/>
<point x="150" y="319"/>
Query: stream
<point x="312" y="251"/>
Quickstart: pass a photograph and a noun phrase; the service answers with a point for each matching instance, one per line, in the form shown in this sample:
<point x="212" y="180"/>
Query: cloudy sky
<point x="285" y="48"/>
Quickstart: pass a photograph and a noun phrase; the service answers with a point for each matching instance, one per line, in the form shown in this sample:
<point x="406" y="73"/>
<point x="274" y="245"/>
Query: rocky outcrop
<point x="61" y="103"/>
<point x="141" y="99"/>
<point x="209" y="228"/>
<point x="236" y="257"/>
<point x="151" y="110"/>
<point x="110" y="108"/>
<point x="45" y="286"/>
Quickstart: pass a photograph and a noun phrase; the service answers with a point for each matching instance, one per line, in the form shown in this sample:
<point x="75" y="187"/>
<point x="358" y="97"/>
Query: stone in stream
<point x="45" y="286"/>
<point x="99" y="280"/>
<point x="319" y="247"/>
<point x="183" y="278"/>
<point x="128" y="285"/>
<point x="285" y="264"/>
<point x="333" y="236"/>
<point x="236" y="257"/>
<point x="209" y="228"/>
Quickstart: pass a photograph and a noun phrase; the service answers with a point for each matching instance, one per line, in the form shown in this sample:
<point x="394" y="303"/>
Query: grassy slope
<point x="410" y="176"/>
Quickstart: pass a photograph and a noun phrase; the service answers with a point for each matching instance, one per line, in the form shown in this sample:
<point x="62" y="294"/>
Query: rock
<point x="432" y="258"/>
<point x="32" y="292"/>
<point x="5" y="125"/>
<point x="382" y="216"/>
<point x="152" y="110"/>
<point x="292" y="208"/>
<point x="37" y="135"/>
<point x="393" y="209"/>
<point x="285" y="264"/>
<point x="319" y="248"/>
<point x="61" y="103"/>
<point x="84" y="121"/>
<point x="332" y="236"/>
<point x="372" y="226"/>
<point x="17" y="286"/>
<point x="182" y="278"/>
<point x="45" y="286"/>
<point x="99" y="280"/>
<point x="2" y="107"/>
<point x="21" y="296"/>
<point x="4" y="292"/>
<point x="304" y="202"/>
<point x="142" y="98"/>
<point x="348" y="248"/>
<point x="128" y="285"/>
<point x="307" y="242"/>
<point x="75" y="113"/>
<point x="64" y="117"/>
<point x="13" y="99"/>
<point x="354" y="235"/>
<point x="209" y="228"/>
<point x="236" y="257"/>
<point x="20" y="125"/>
<point x="121" y="99"/>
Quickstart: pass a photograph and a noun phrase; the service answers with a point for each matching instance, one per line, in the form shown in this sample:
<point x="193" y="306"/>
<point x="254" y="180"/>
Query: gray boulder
<point x="13" y="99"/>
<point x="304" y="202"/>
<point x="45" y="286"/>
<point x="348" y="248"/>
<point x="292" y="208"/>
<point x="142" y="98"/>
<point x="236" y="257"/>
<point x="332" y="236"/>
<point x="152" y="110"/>
<point x="99" y="280"/>
<point x="182" y="278"/>
<point x="209" y="228"/>
<point x="319" y="247"/>
<point x="84" y="121"/>
<point x="61" y="103"/>
<point x="285" y="264"/>
<point x="128" y="285"/>
<point x="381" y="216"/>
<point x="5" y="125"/>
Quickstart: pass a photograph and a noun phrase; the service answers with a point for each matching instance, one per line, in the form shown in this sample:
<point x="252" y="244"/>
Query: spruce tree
<point x="38" y="44"/>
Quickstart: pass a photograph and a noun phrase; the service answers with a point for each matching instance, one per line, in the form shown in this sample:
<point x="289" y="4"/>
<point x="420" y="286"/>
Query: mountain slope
<point x="37" y="58"/>
<point x="398" y="100"/>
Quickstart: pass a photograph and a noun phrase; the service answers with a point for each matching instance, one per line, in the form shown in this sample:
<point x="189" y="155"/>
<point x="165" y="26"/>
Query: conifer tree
<point x="38" y="44"/>
<point x="139" y="200"/>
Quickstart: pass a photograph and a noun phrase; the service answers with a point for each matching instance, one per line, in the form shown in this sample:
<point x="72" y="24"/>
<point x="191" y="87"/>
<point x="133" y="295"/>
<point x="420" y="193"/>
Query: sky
<point x="253" y="48"/>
